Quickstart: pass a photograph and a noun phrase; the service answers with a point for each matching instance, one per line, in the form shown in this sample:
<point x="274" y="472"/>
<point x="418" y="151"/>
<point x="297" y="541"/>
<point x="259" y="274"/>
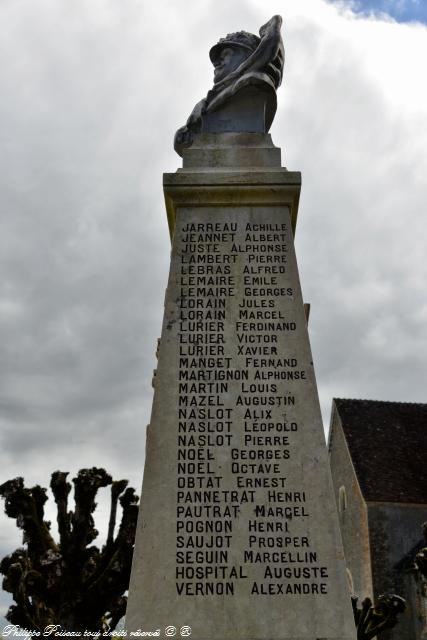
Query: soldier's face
<point x="228" y="60"/>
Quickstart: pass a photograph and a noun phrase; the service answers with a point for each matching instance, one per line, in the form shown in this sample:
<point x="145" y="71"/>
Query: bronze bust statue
<point x="248" y="70"/>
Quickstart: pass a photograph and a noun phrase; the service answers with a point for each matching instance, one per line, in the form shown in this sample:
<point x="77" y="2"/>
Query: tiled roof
<point x="388" y="445"/>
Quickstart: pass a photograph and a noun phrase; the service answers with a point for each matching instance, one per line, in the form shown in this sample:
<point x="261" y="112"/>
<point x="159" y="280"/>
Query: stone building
<point x="378" y="456"/>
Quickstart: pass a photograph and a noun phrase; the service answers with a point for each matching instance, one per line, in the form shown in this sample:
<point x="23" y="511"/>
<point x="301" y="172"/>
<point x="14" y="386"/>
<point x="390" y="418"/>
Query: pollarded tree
<point x="69" y="582"/>
<point x="372" y="619"/>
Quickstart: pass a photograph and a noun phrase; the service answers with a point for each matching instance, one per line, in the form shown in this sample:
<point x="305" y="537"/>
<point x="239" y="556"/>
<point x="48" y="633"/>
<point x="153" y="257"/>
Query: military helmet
<point x="242" y="39"/>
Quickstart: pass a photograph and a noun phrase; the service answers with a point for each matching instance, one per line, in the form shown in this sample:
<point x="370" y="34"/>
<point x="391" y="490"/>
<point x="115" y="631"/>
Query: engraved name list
<point x="242" y="506"/>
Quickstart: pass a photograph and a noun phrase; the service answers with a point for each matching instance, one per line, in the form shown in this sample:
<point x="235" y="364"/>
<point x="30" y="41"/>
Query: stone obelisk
<point x="238" y="536"/>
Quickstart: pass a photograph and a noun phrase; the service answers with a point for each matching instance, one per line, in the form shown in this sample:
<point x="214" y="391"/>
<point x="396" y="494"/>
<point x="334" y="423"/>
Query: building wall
<point x="416" y="592"/>
<point x="354" y="518"/>
<point x="395" y="529"/>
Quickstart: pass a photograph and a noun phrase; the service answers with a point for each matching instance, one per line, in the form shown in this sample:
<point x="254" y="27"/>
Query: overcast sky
<point x="92" y="93"/>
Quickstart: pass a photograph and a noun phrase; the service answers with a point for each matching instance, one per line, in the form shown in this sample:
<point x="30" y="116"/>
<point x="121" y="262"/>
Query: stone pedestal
<point x="238" y="535"/>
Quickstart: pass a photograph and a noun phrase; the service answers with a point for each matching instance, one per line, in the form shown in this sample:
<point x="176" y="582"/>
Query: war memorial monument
<point x="238" y="536"/>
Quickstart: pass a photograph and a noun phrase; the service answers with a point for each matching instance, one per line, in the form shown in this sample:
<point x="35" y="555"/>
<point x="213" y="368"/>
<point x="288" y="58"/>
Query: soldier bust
<point x="248" y="70"/>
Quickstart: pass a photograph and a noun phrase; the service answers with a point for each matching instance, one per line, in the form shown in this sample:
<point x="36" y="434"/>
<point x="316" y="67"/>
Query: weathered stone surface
<point x="238" y="535"/>
<point x="231" y="150"/>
